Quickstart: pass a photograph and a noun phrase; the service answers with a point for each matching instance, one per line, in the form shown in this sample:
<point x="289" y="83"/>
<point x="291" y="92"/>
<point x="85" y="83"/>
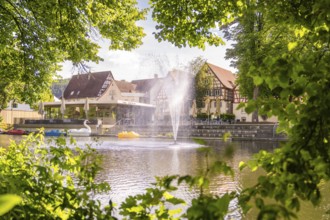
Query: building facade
<point x="222" y="94"/>
<point x="99" y="96"/>
<point x="16" y="112"/>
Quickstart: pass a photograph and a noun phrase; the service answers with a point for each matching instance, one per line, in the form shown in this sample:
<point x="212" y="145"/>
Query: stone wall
<point x="246" y="131"/>
<point x="237" y="131"/>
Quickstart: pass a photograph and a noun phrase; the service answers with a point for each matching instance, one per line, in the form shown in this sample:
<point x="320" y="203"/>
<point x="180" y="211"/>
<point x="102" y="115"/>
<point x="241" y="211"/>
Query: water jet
<point x="176" y="87"/>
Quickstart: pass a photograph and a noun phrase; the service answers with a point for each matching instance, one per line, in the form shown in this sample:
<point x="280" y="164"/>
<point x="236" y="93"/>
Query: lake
<point x="131" y="165"/>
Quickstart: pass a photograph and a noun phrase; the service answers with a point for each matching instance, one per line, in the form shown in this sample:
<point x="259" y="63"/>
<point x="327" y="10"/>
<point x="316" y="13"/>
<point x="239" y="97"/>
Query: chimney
<point x="156" y="76"/>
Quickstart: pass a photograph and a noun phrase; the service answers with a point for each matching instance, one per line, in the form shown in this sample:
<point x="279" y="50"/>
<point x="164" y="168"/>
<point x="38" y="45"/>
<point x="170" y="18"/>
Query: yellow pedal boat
<point x="130" y="134"/>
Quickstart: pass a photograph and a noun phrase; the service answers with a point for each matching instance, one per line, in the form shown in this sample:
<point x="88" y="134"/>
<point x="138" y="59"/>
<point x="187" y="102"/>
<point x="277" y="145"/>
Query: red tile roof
<point x="226" y="77"/>
<point x="88" y="85"/>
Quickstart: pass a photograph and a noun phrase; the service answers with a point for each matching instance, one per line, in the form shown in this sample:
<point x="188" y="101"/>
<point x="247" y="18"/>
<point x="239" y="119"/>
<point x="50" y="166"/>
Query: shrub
<point x="57" y="182"/>
<point x="202" y="116"/>
<point x="227" y="117"/>
<point x="54" y="182"/>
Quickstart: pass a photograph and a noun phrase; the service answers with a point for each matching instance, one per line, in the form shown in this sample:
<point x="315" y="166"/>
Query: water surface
<point x="130" y="166"/>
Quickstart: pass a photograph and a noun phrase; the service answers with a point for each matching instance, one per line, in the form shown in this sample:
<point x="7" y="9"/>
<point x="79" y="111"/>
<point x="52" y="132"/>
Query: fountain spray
<point x="176" y="87"/>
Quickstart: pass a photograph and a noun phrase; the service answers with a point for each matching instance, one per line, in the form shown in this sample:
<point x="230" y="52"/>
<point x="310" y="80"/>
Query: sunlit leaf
<point x="226" y="136"/>
<point x="242" y="165"/>
<point x="7" y="202"/>
<point x="258" y="80"/>
<point x="292" y="45"/>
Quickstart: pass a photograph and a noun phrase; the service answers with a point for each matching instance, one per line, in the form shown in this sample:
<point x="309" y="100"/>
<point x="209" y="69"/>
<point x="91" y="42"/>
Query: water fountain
<point x="176" y="86"/>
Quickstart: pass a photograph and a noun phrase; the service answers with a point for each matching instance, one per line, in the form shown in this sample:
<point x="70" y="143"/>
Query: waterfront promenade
<point x="238" y="131"/>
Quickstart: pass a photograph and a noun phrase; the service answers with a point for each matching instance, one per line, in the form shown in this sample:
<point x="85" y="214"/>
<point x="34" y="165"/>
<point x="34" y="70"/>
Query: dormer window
<point x="78" y="92"/>
<point x="72" y="92"/>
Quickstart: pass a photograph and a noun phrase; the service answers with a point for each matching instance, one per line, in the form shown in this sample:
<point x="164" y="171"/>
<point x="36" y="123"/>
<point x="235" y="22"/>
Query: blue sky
<point x="150" y="58"/>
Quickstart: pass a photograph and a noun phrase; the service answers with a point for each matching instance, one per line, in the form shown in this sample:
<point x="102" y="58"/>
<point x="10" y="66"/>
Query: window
<point x="217" y="92"/>
<point x="209" y="92"/>
<point x="72" y="92"/>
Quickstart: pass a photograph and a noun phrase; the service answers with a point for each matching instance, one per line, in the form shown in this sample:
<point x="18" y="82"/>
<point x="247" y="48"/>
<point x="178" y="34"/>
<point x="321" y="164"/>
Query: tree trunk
<point x="255" y="117"/>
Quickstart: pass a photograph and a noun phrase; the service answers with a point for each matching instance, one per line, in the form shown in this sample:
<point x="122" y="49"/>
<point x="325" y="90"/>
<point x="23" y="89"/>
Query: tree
<point x="203" y="83"/>
<point x="246" y="53"/>
<point x="59" y="86"/>
<point x="292" y="63"/>
<point x="37" y="35"/>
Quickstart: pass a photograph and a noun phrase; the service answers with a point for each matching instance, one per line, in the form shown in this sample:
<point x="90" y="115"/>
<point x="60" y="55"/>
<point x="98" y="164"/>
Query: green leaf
<point x="7" y="202"/>
<point x="253" y="165"/>
<point x="258" y="80"/>
<point x="175" y="201"/>
<point x="136" y="209"/>
<point x="291" y="109"/>
<point x="174" y="212"/>
<point x="251" y="106"/>
<point x="259" y="203"/>
<point x="292" y="45"/>
<point x="242" y="165"/>
<point x="167" y="195"/>
<point x="226" y="136"/>
<point x="283" y="80"/>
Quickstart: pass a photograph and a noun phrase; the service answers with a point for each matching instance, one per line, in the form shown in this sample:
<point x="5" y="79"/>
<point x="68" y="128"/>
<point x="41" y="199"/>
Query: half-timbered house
<point x="220" y="97"/>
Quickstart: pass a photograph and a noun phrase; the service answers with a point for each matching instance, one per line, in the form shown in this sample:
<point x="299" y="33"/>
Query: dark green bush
<point x="202" y="116"/>
<point x="227" y="117"/>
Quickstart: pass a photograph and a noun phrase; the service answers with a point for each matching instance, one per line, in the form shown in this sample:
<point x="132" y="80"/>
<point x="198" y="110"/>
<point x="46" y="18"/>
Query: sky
<point x="150" y="58"/>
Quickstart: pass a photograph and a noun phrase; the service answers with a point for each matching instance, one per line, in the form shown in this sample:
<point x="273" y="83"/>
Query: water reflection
<point x="5" y="139"/>
<point x="130" y="166"/>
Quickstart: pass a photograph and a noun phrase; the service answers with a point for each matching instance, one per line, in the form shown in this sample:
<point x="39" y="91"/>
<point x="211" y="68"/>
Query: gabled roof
<point x="88" y="85"/>
<point x="124" y="86"/>
<point x="226" y="77"/>
<point x="144" y="85"/>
